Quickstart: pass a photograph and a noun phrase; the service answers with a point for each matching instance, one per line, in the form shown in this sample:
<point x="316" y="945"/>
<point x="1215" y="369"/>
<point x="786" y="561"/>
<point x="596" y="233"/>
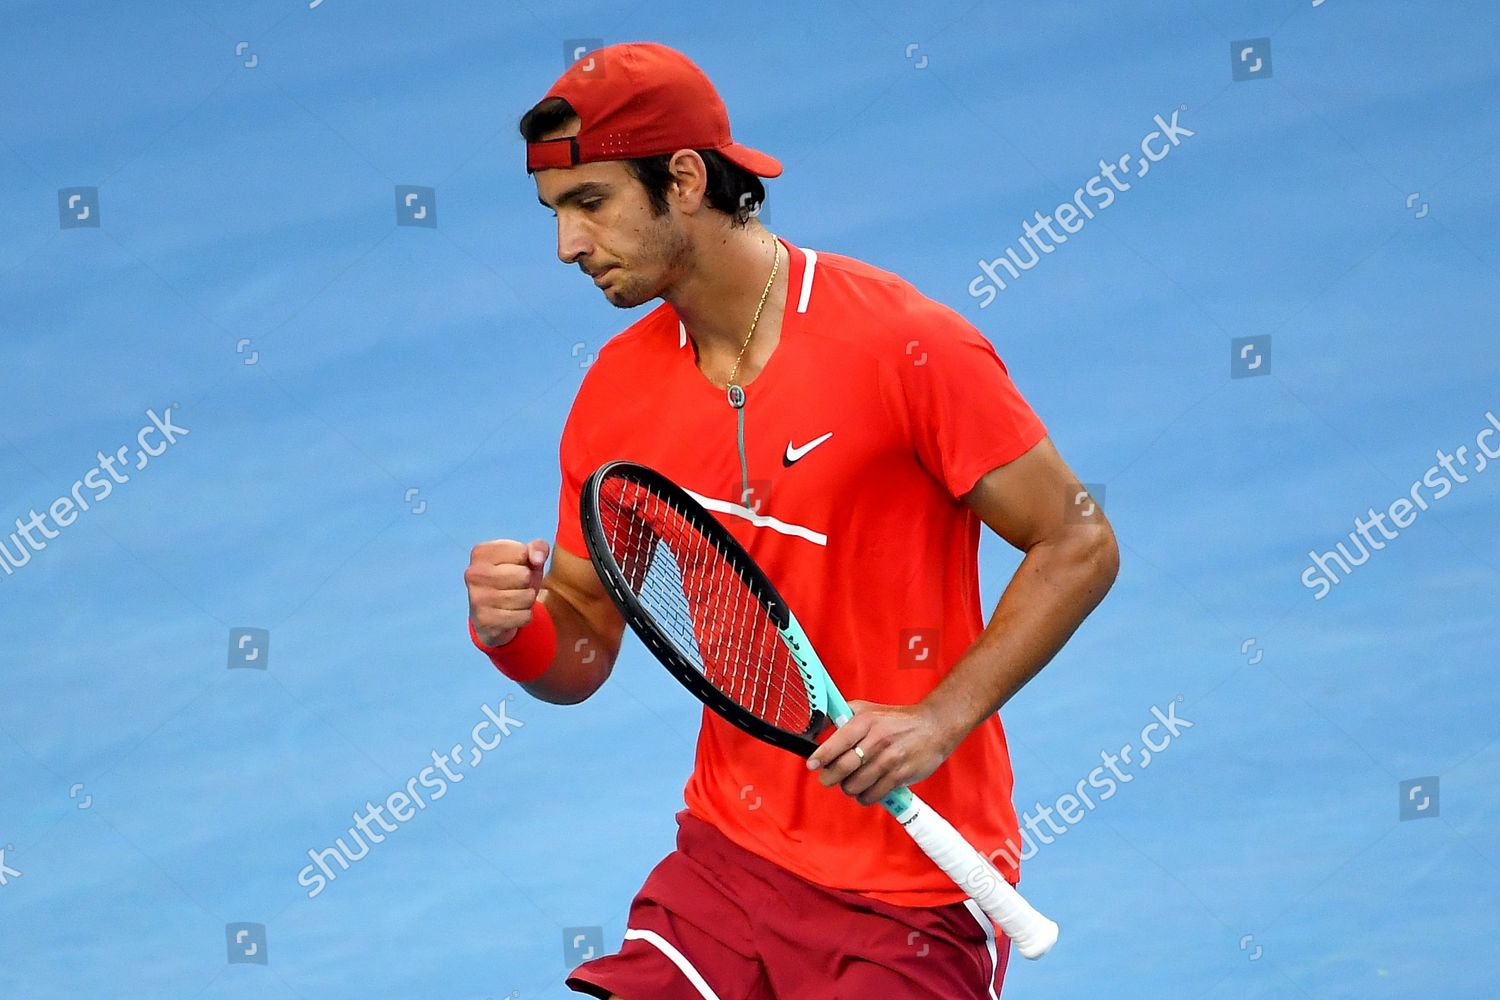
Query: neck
<point x="716" y="300"/>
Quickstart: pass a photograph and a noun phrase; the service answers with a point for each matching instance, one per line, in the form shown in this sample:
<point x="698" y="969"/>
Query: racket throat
<point x="902" y="804"/>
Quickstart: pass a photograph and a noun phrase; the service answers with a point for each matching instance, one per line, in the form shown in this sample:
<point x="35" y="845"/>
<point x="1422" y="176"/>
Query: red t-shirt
<point x="878" y="409"/>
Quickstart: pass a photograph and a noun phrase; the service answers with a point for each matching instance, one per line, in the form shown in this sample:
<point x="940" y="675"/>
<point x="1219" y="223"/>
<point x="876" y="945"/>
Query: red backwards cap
<point x="641" y="99"/>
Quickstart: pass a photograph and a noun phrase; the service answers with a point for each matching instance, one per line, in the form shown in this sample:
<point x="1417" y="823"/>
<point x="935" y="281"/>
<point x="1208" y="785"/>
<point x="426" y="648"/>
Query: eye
<point x="592" y="205"/>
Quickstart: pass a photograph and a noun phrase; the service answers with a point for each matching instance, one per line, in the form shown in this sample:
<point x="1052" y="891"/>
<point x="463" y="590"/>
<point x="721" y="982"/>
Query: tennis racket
<point x="708" y="613"/>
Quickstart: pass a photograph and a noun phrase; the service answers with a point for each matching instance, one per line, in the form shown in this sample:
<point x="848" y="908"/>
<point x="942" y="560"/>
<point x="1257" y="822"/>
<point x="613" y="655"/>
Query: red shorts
<point x="716" y="922"/>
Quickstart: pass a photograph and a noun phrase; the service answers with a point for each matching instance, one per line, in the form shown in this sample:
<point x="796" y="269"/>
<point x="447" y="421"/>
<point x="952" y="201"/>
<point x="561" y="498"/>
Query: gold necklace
<point x="736" y="393"/>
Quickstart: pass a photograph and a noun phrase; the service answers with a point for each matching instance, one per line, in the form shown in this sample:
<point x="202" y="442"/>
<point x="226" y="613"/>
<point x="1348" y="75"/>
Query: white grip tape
<point x="1032" y="933"/>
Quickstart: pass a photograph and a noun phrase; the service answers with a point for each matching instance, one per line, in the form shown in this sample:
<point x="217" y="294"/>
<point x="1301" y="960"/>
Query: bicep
<point x="1035" y="499"/>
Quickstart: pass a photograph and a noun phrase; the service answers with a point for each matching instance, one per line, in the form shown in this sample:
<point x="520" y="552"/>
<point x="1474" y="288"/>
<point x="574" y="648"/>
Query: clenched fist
<point x="504" y="578"/>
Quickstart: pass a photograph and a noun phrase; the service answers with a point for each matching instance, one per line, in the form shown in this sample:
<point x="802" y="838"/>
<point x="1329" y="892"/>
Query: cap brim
<point x="753" y="160"/>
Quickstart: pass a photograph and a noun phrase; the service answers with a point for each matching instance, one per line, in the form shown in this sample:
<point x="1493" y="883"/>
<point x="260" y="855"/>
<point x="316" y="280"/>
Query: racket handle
<point x="1032" y="933"/>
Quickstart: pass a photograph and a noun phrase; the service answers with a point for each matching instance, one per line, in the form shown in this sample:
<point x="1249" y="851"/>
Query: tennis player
<point x="853" y="435"/>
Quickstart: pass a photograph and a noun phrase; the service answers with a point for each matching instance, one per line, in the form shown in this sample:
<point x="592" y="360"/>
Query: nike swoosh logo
<point x="795" y="454"/>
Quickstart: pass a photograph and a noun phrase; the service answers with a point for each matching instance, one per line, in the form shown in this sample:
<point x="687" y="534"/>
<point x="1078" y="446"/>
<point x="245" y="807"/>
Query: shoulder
<point x="652" y="334"/>
<point x="875" y="309"/>
<point x="631" y="355"/>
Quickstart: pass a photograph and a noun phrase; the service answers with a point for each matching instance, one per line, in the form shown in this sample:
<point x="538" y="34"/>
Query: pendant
<point x="736" y="396"/>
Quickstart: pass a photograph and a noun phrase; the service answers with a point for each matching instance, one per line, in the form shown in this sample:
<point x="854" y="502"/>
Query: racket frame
<point x="662" y="646"/>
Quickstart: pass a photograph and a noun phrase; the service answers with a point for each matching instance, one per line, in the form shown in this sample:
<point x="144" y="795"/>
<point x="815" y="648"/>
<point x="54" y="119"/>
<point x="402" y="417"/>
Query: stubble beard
<point x="666" y="255"/>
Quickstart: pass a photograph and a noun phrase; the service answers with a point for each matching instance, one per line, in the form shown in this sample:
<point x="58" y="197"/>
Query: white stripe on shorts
<point x="989" y="942"/>
<point x="686" y="968"/>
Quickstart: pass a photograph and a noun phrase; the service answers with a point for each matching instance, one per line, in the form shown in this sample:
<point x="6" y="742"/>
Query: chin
<point x="628" y="296"/>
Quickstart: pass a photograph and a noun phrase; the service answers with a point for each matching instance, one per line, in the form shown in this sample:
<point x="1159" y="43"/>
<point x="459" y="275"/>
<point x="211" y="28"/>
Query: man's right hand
<point x="504" y="578"/>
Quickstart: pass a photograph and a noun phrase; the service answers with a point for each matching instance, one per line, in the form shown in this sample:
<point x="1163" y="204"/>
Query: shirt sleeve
<point x="964" y="413"/>
<point x="575" y="468"/>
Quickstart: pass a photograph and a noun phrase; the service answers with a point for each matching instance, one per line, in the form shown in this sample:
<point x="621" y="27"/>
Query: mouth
<point x="599" y="276"/>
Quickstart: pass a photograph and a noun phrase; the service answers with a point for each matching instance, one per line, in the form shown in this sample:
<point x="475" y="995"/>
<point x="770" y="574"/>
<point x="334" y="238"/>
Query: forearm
<point x="1054" y="589"/>
<point x="583" y="659"/>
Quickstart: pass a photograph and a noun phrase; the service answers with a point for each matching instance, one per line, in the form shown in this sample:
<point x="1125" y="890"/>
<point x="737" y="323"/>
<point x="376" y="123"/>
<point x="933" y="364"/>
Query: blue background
<point x="1260" y="856"/>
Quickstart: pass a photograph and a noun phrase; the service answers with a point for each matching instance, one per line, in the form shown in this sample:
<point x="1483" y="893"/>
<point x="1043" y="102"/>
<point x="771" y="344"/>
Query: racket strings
<point x="704" y="607"/>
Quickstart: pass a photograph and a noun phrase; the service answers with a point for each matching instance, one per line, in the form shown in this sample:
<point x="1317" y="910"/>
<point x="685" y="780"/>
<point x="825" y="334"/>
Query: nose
<point x="572" y="242"/>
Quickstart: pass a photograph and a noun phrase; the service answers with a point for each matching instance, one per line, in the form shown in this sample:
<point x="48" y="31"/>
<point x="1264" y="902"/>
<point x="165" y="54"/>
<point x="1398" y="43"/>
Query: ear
<point x="689" y="180"/>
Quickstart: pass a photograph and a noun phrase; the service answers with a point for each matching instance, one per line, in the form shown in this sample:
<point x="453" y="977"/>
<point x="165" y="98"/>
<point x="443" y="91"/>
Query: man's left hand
<point x="902" y="744"/>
